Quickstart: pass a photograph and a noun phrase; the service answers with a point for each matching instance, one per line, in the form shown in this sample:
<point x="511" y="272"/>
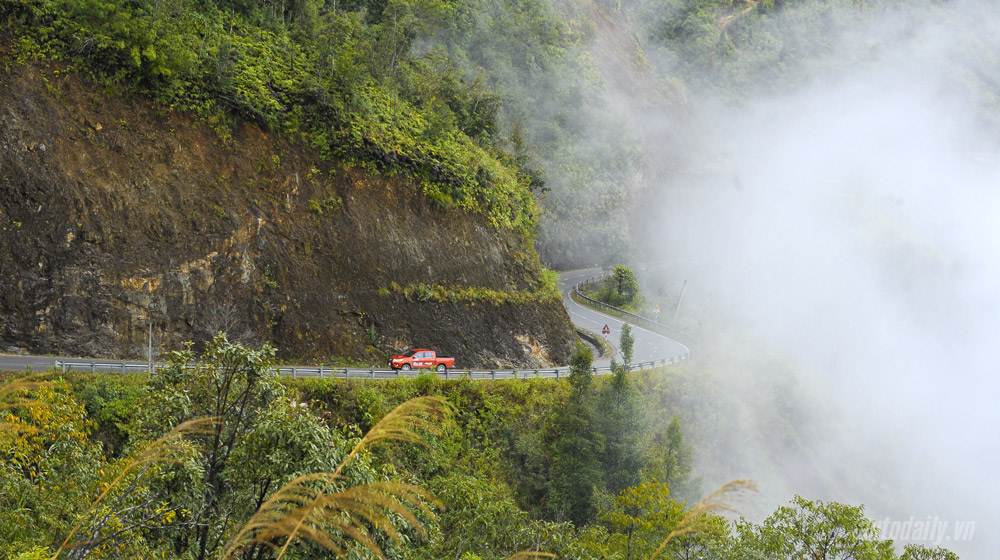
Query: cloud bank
<point x="840" y="237"/>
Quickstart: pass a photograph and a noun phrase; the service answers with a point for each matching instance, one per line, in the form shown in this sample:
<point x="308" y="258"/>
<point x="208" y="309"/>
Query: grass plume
<point x="315" y="507"/>
<point x="410" y="422"/>
<point x="304" y="509"/>
<point x="695" y="518"/>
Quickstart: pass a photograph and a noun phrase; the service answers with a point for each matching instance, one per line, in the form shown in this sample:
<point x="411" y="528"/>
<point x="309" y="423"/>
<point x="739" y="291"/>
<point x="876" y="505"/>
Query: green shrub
<point x="547" y="291"/>
<point x="329" y="204"/>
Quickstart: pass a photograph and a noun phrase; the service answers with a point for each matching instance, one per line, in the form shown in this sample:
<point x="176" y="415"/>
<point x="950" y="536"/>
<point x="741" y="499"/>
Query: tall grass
<point x="325" y="509"/>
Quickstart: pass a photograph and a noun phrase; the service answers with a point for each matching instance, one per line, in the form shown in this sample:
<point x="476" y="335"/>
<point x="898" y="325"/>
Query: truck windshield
<point x="408" y="353"/>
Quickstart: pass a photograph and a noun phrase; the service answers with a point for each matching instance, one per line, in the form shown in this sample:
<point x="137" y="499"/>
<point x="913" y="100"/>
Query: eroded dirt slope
<point x="113" y="210"/>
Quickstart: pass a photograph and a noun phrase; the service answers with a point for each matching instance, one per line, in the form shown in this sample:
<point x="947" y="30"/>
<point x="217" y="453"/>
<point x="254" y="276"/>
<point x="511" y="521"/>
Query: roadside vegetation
<point x="225" y="460"/>
<point x="547" y="291"/>
<point x="619" y="288"/>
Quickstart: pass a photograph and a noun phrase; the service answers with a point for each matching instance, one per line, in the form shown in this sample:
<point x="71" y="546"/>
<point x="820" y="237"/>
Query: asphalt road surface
<point x="13" y="362"/>
<point x="649" y="345"/>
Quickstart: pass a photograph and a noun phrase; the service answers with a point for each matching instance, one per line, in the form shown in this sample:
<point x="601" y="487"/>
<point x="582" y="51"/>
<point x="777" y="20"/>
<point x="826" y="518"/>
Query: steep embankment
<point x="112" y="209"/>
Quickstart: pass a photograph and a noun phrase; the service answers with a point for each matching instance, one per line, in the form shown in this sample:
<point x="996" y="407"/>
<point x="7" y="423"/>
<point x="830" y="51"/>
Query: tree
<point x="915" y="552"/>
<point x="576" y="448"/>
<point x="57" y="485"/>
<point x="236" y="385"/>
<point x="581" y="377"/>
<point x="815" y="530"/>
<point x="626" y="343"/>
<point x="643" y="514"/>
<point x="339" y="513"/>
<point x="480" y="516"/>
<point x="127" y="503"/>
<point x="259" y="442"/>
<point x="620" y="424"/>
<point x="48" y="463"/>
<point x="671" y="458"/>
<point x="625" y="284"/>
<point x="713" y="541"/>
<point x="646" y="514"/>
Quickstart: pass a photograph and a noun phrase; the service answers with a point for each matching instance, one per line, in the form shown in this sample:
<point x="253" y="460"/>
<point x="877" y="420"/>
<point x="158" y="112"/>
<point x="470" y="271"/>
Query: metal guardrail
<point x="372" y="373"/>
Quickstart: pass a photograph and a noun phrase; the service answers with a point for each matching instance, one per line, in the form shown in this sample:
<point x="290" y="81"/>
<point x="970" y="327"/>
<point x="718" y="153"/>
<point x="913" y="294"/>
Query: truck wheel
<point x="406" y="367"/>
<point x="441" y="368"/>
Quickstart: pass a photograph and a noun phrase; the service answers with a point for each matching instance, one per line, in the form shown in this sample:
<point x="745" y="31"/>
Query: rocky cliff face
<point x="115" y="213"/>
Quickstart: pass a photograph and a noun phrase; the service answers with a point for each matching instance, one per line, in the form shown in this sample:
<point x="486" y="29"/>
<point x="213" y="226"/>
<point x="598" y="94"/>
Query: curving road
<point x="649" y="345"/>
<point x="651" y="349"/>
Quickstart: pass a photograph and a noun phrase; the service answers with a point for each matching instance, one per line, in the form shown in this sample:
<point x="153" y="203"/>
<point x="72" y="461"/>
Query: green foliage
<point x="483" y="104"/>
<point x="625" y="284"/>
<point x="549" y="283"/>
<point x="36" y="553"/>
<point x="327" y="205"/>
<point x="814" y="529"/>
<point x="328" y="510"/>
<point x="712" y="541"/>
<point x="626" y="344"/>
<point x="643" y="514"/>
<point x="916" y="552"/>
<point x="576" y="449"/>
<point x="109" y="402"/>
<point x="740" y="50"/>
<point x="343" y="80"/>
<point x="480" y="516"/>
<point x="547" y="291"/>
<point x="557" y="120"/>
<point x="670" y="459"/>
<point x="620" y="425"/>
<point x="261" y="440"/>
<point x="519" y="452"/>
<point x="47" y="464"/>
<point x="620" y="288"/>
<point x="125" y="500"/>
<point x="581" y="375"/>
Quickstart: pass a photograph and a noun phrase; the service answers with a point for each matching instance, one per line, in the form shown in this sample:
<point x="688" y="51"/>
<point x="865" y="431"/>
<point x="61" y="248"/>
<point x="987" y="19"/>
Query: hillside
<point x="114" y="208"/>
<point x="804" y="191"/>
<point x="581" y="468"/>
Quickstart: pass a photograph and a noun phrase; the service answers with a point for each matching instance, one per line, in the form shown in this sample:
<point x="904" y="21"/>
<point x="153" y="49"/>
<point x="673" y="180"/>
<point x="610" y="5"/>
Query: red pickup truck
<point x="421" y="358"/>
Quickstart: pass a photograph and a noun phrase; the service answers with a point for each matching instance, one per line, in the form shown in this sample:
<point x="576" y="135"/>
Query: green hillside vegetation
<point x="739" y="50"/>
<point x="547" y="291"/>
<point x="226" y="460"/>
<point x="488" y="106"/>
<point x="342" y="77"/>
